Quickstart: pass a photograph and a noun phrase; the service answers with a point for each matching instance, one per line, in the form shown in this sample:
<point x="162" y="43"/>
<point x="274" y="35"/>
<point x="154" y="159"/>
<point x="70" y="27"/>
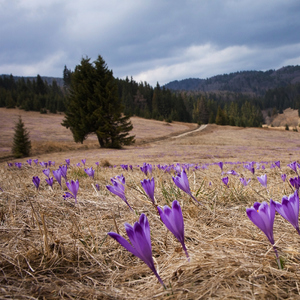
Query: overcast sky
<point x="150" y="40"/>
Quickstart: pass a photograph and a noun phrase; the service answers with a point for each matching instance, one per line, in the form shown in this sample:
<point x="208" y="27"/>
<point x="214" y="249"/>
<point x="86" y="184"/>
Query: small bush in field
<point x="21" y="143"/>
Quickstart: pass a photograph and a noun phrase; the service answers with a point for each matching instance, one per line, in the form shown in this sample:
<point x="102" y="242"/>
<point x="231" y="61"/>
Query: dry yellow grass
<point x="53" y="249"/>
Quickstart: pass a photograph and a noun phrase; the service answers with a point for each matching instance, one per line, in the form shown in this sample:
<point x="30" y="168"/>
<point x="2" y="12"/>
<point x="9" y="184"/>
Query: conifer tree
<point x="21" y="142"/>
<point x="93" y="106"/>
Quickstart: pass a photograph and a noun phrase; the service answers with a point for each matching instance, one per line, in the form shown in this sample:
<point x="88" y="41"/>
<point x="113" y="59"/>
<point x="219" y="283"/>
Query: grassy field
<point x="54" y="249"/>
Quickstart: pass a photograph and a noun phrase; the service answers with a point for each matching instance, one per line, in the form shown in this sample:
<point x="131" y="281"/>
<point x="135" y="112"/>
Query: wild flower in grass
<point x="244" y="181"/>
<point x="73" y="186"/>
<point x="67" y="195"/>
<point x="51" y="163"/>
<point x="18" y="165"/>
<point x="173" y="220"/>
<point x="295" y="182"/>
<point x="50" y="181"/>
<point x="97" y="163"/>
<point x="262" y="215"/>
<point x="148" y="186"/>
<point x="225" y="180"/>
<point x="146" y="168"/>
<point x="78" y="165"/>
<point x="118" y="189"/>
<point x="232" y="172"/>
<point x="68" y="161"/>
<point x="283" y="177"/>
<point x="289" y="209"/>
<point x="9" y="165"/>
<point x="293" y="166"/>
<point x="90" y="172"/>
<point x="35" y="161"/>
<point x="64" y="170"/>
<point x="29" y="161"/>
<point x="130" y="167"/>
<point x="83" y="161"/>
<point x="124" y="167"/>
<point x="47" y="172"/>
<point x="277" y="163"/>
<point x="220" y="164"/>
<point x="57" y="176"/>
<point x="263" y="180"/>
<point x="1" y="189"/>
<point x="139" y="236"/>
<point x="250" y="168"/>
<point x="43" y="164"/>
<point x="36" y="181"/>
<point x="182" y="182"/>
<point x="97" y="186"/>
<point x="118" y="178"/>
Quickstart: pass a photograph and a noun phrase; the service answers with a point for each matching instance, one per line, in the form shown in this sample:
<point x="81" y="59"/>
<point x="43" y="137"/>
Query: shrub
<point x="21" y="142"/>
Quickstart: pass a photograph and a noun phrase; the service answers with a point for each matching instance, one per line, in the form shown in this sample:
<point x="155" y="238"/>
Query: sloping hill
<point x="252" y="82"/>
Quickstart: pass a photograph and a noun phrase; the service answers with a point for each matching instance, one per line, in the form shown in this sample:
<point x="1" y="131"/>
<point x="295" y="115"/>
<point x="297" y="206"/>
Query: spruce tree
<point x="93" y="106"/>
<point x="21" y="142"/>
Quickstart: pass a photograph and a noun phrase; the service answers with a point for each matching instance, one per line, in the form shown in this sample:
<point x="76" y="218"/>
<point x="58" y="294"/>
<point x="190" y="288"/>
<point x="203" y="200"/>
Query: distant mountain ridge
<point x="251" y="82"/>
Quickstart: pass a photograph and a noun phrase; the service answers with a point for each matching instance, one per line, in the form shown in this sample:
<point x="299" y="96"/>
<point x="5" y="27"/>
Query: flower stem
<point x="277" y="258"/>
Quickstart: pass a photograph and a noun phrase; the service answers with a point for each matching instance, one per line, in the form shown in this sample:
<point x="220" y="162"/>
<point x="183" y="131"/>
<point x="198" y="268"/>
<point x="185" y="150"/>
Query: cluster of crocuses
<point x="263" y="214"/>
<point x="139" y="234"/>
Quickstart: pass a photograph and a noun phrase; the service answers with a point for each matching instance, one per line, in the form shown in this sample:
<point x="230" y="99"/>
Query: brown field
<point x="53" y="249"/>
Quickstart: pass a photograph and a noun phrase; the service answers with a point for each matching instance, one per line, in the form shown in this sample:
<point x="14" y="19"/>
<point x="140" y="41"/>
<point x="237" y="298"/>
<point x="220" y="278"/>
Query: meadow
<point x="52" y="248"/>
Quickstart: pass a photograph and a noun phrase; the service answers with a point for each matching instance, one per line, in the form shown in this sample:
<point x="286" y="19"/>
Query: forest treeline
<point x="143" y="100"/>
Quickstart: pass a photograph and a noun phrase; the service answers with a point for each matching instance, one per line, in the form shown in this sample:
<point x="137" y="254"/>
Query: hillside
<point x="252" y="82"/>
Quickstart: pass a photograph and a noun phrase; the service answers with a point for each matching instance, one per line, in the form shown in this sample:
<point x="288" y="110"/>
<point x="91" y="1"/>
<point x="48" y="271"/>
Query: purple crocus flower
<point x="118" y="178"/>
<point x="73" y="187"/>
<point x="97" y="163"/>
<point x="263" y="215"/>
<point x="173" y="220"/>
<point x="78" y="165"/>
<point x="220" y="164"/>
<point x="277" y="163"/>
<point x="35" y="161"/>
<point x="68" y="161"/>
<point x="139" y="236"/>
<point x="225" y="180"/>
<point x="118" y="189"/>
<point x="67" y="195"/>
<point x="90" y="172"/>
<point x="124" y="167"/>
<point x="83" y="161"/>
<point x="289" y="209"/>
<point x="283" y="177"/>
<point x="182" y="182"/>
<point x="232" y="172"/>
<point x="9" y="165"/>
<point x="244" y="181"/>
<point x="1" y="189"/>
<point x="47" y="172"/>
<point x="250" y="168"/>
<point x="293" y="166"/>
<point x="43" y="164"/>
<point x="148" y="186"/>
<point x="295" y="182"/>
<point x="64" y="170"/>
<point x="263" y="180"/>
<point x="18" y="165"/>
<point x="29" y="161"/>
<point x="97" y="186"/>
<point x="50" y="181"/>
<point x="57" y="176"/>
<point x="36" y="181"/>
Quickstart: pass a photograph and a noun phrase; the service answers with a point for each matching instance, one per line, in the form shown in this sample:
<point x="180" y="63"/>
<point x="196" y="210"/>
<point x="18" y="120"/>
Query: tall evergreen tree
<point x="93" y="106"/>
<point x="21" y="142"/>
